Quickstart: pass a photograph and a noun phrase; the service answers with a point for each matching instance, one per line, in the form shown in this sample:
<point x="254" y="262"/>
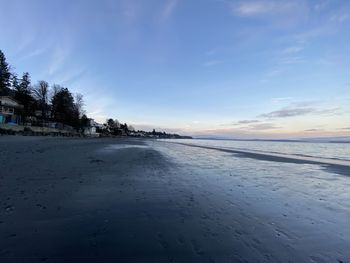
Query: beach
<point x="139" y="200"/>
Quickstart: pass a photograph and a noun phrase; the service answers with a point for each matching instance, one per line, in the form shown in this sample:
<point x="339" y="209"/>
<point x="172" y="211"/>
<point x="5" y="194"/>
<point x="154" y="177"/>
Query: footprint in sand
<point x="181" y="240"/>
<point x="97" y="161"/>
<point x="162" y="242"/>
<point x="196" y="248"/>
<point x="9" y="208"/>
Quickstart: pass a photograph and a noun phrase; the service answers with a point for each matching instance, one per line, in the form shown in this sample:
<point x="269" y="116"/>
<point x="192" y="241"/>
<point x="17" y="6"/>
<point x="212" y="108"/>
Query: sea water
<point x="340" y="151"/>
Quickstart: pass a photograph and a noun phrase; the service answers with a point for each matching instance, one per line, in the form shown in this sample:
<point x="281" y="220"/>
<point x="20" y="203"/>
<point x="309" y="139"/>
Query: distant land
<point x="343" y="139"/>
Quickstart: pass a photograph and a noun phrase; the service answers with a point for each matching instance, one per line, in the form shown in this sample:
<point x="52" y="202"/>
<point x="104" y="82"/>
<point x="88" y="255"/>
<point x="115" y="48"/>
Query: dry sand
<point x="123" y="200"/>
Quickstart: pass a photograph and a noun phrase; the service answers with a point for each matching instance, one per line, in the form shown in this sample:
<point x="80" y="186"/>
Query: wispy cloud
<point x="71" y="76"/>
<point x="34" y="53"/>
<point x="57" y="60"/>
<point x="252" y="125"/>
<point x="131" y="10"/>
<point x="341" y="17"/>
<point x="240" y="123"/>
<point x="314" y="130"/>
<point x="169" y="8"/>
<point x="252" y="8"/>
<point x="248" y="127"/>
<point x="98" y="115"/>
<point x="27" y="38"/>
<point x="292" y="60"/>
<point x="321" y="5"/>
<point x="212" y="51"/>
<point x="212" y="63"/>
<point x="247" y="121"/>
<point x="284" y="59"/>
<point x="263" y="126"/>
<point x="287" y="112"/>
<point x="272" y="73"/>
<point x="281" y="99"/>
<point x="292" y="49"/>
<point x="302" y="104"/>
<point x="101" y="104"/>
<point x="301" y="110"/>
<point x="330" y="111"/>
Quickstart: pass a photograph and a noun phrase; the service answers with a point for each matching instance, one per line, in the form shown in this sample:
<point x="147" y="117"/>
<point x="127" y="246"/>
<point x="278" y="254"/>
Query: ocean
<point x="331" y="151"/>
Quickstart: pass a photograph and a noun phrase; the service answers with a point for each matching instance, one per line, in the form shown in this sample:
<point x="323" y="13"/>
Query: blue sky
<point x="256" y="69"/>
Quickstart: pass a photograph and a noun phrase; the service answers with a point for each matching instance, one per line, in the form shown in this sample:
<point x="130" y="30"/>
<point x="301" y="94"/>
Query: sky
<point x="227" y="68"/>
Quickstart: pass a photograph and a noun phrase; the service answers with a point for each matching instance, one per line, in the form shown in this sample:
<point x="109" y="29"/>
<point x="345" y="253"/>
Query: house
<point x="93" y="123"/>
<point x="90" y="131"/>
<point x="9" y="110"/>
<point x="43" y="114"/>
<point x="91" y="128"/>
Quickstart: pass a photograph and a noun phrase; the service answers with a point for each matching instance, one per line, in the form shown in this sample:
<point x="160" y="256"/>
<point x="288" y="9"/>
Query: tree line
<point x="41" y="102"/>
<point x="44" y="104"/>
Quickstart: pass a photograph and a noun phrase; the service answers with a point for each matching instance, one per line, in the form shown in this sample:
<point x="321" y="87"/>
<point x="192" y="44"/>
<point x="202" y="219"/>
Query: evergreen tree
<point x="23" y="94"/>
<point x="5" y="75"/>
<point x="84" y="121"/>
<point x="110" y="123"/>
<point x="64" y="109"/>
<point x="125" y="128"/>
<point x="15" y="82"/>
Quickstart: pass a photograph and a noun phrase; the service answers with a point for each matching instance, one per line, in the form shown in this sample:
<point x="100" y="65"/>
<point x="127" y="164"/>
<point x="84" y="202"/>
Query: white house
<point x="9" y="110"/>
<point x="91" y="128"/>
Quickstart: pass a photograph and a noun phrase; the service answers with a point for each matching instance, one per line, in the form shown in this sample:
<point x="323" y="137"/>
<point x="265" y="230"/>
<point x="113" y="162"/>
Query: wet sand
<point x="129" y="200"/>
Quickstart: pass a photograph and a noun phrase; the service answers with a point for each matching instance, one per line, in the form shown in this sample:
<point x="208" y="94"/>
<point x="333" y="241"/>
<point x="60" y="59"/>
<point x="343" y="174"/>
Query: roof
<point x="9" y="101"/>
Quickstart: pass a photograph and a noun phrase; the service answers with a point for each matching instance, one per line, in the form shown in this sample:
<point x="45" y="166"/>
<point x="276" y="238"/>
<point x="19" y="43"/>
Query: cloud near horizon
<point x="314" y="130"/>
<point x="287" y="112"/>
<point x="247" y="121"/>
<point x="300" y="111"/>
<point x="263" y="127"/>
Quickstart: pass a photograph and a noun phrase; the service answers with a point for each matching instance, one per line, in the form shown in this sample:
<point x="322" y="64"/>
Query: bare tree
<point x="41" y="94"/>
<point x="79" y="104"/>
<point x="55" y="89"/>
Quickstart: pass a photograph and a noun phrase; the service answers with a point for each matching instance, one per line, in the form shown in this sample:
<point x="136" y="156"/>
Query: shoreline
<point x="44" y="132"/>
<point x="338" y="166"/>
